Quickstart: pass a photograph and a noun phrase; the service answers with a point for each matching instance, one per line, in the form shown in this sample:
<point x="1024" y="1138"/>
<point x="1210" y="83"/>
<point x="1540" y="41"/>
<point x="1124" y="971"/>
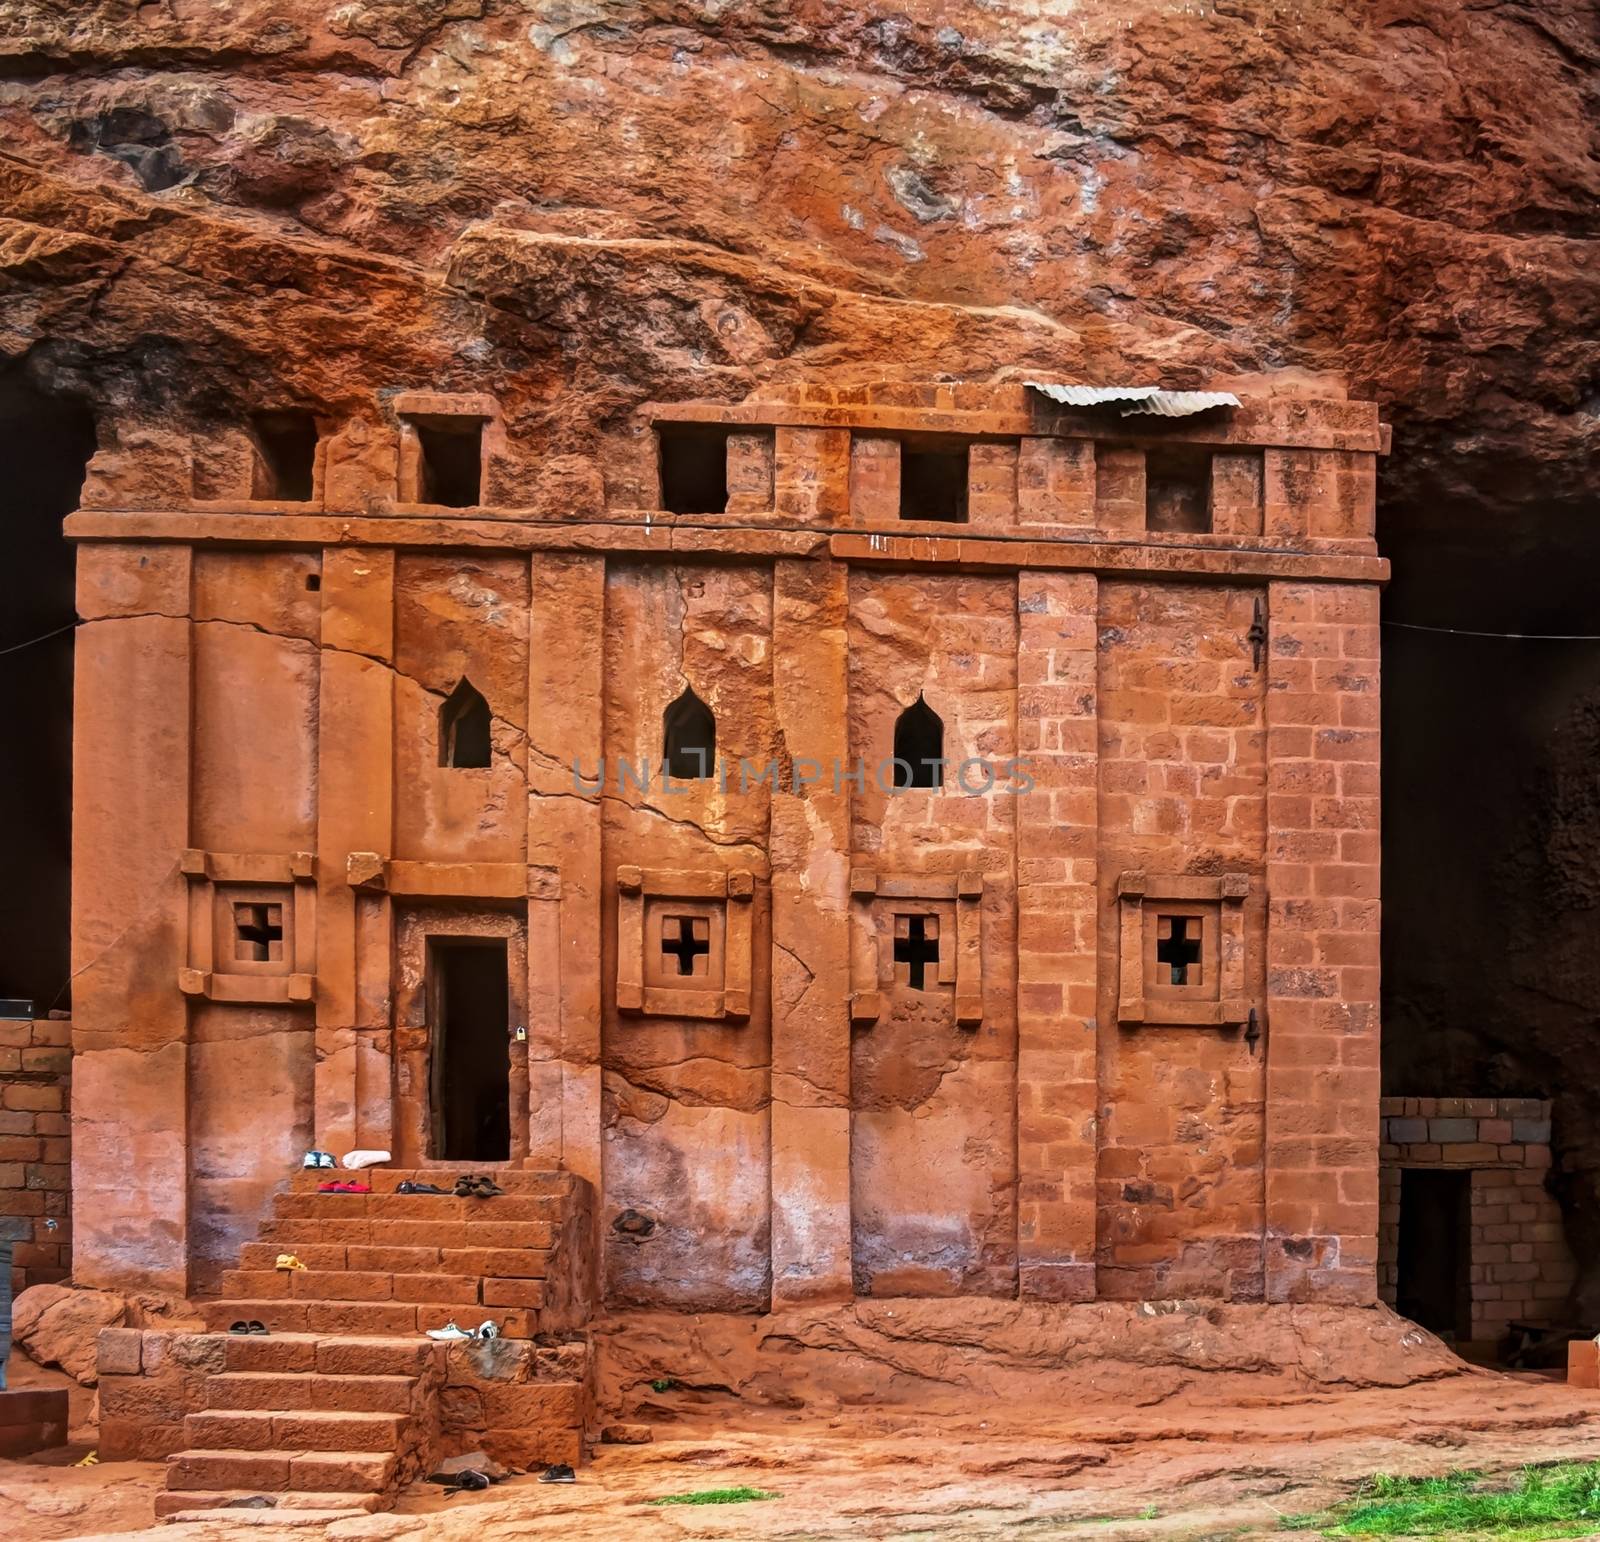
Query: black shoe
<point x="558" y="1473"/>
<point x="469" y="1482"/>
<point x="255" y="1327"/>
<point x="408" y="1187"/>
<point x="239" y="1327"/>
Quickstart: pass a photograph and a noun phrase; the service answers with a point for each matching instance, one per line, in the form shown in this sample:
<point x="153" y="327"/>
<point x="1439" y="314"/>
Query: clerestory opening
<point x="1177" y="488"/>
<point x="286" y="459"/>
<point x="450" y="461"/>
<point x="933" y="479"/>
<point x="694" y="468"/>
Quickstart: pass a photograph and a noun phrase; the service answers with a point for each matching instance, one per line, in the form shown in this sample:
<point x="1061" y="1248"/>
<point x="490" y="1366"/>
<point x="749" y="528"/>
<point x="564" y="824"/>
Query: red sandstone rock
<point x="58" y="1325"/>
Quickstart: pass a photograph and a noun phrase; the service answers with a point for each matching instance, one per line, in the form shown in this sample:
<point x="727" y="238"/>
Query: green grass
<point x="1539" y="1503"/>
<point x="715" y="1496"/>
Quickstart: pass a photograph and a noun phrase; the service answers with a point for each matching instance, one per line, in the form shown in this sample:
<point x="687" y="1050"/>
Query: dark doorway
<point x="1435" y="1228"/>
<point x="45" y="443"/>
<point x="471" y="1050"/>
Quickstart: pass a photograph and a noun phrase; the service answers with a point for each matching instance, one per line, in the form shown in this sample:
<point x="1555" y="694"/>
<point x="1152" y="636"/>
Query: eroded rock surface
<point x="212" y="207"/>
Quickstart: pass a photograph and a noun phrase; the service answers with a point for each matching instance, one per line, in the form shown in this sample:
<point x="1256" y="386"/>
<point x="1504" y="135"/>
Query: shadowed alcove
<point x="45" y="444"/>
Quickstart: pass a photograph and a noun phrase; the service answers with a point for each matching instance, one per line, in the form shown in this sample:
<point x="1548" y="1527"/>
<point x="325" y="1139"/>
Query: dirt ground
<point x="1185" y="1465"/>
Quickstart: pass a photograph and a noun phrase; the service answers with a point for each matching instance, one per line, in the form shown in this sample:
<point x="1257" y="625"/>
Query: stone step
<point x="310" y="1205"/>
<point x="276" y="1392"/>
<point x="385" y="1180"/>
<point x="289" y="1234"/>
<point x="314" y="1255"/>
<point x="291" y="1509"/>
<point x="338" y="1355"/>
<point x="314" y="1429"/>
<point x="456" y="1278"/>
<point x="269" y="1472"/>
<point x="369" y="1318"/>
<point x="382" y="1319"/>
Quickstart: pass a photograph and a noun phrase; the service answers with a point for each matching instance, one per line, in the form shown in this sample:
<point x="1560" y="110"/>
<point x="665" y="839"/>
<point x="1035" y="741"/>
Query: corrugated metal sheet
<point x="1137" y="401"/>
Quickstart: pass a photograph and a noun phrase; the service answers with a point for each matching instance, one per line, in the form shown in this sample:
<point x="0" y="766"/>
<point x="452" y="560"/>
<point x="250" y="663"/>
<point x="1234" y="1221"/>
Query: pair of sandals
<point x="471" y="1481"/>
<point x="468" y="1186"/>
<point x="251" y="1326"/>
<point x="344" y="1187"/>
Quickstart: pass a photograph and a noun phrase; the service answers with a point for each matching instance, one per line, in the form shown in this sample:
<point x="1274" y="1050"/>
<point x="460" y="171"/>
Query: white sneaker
<point x="487" y="1331"/>
<point x="449" y="1333"/>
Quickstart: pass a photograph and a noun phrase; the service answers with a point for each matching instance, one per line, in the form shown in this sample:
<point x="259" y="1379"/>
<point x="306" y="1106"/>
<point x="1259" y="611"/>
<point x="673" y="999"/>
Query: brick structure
<point x="35" y="1148"/>
<point x="1020" y="940"/>
<point x="1514" y="1265"/>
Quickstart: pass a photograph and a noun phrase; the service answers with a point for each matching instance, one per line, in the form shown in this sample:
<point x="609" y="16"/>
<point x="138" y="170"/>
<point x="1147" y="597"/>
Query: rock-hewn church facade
<point x="910" y="840"/>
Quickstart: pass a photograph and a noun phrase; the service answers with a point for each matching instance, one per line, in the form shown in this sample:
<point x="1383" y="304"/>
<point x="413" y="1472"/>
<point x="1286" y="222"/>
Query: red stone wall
<point x="1182" y="790"/>
<point x="931" y="1097"/>
<point x="36" y="1148"/>
<point x="685" y="1102"/>
<point x="1322" y="942"/>
<point x="253" y="789"/>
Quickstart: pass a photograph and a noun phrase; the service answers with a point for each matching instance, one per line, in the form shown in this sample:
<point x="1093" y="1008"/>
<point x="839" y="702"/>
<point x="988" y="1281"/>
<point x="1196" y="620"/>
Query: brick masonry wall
<point x="1520" y="1267"/>
<point x="35" y="1149"/>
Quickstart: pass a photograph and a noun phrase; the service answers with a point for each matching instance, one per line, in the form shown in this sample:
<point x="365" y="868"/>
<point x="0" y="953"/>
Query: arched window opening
<point x="691" y="738"/>
<point x="919" y="747"/>
<point x="464" y="728"/>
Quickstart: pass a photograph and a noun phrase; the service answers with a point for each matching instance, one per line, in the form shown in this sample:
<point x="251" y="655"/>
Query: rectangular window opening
<point x="286" y="444"/>
<point x="1433" y="1287"/>
<point x="1177" y="488"/>
<point x="471" y="1070"/>
<point x="450" y="456"/>
<point x="694" y="469"/>
<point x="933" y="480"/>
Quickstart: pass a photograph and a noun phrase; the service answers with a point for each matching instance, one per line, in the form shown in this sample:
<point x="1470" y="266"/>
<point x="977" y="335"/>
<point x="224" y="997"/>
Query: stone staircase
<point x="337" y="1407"/>
<point x="389" y="1263"/>
<point x="323" y="1426"/>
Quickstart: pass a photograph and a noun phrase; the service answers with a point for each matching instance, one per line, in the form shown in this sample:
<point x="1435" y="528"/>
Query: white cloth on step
<point x="365" y="1158"/>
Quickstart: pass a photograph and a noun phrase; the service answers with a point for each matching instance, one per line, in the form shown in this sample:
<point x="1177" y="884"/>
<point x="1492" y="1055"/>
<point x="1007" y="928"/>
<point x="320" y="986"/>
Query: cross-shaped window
<point x="1177" y="949"/>
<point x="258" y="930"/>
<point x="688" y="940"/>
<point x="917" y="948"/>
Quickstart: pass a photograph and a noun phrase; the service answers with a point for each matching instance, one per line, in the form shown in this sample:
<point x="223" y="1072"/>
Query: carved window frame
<point x="217" y="881"/>
<point x="872" y="966"/>
<point x="726" y="899"/>
<point x="1218" y="999"/>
